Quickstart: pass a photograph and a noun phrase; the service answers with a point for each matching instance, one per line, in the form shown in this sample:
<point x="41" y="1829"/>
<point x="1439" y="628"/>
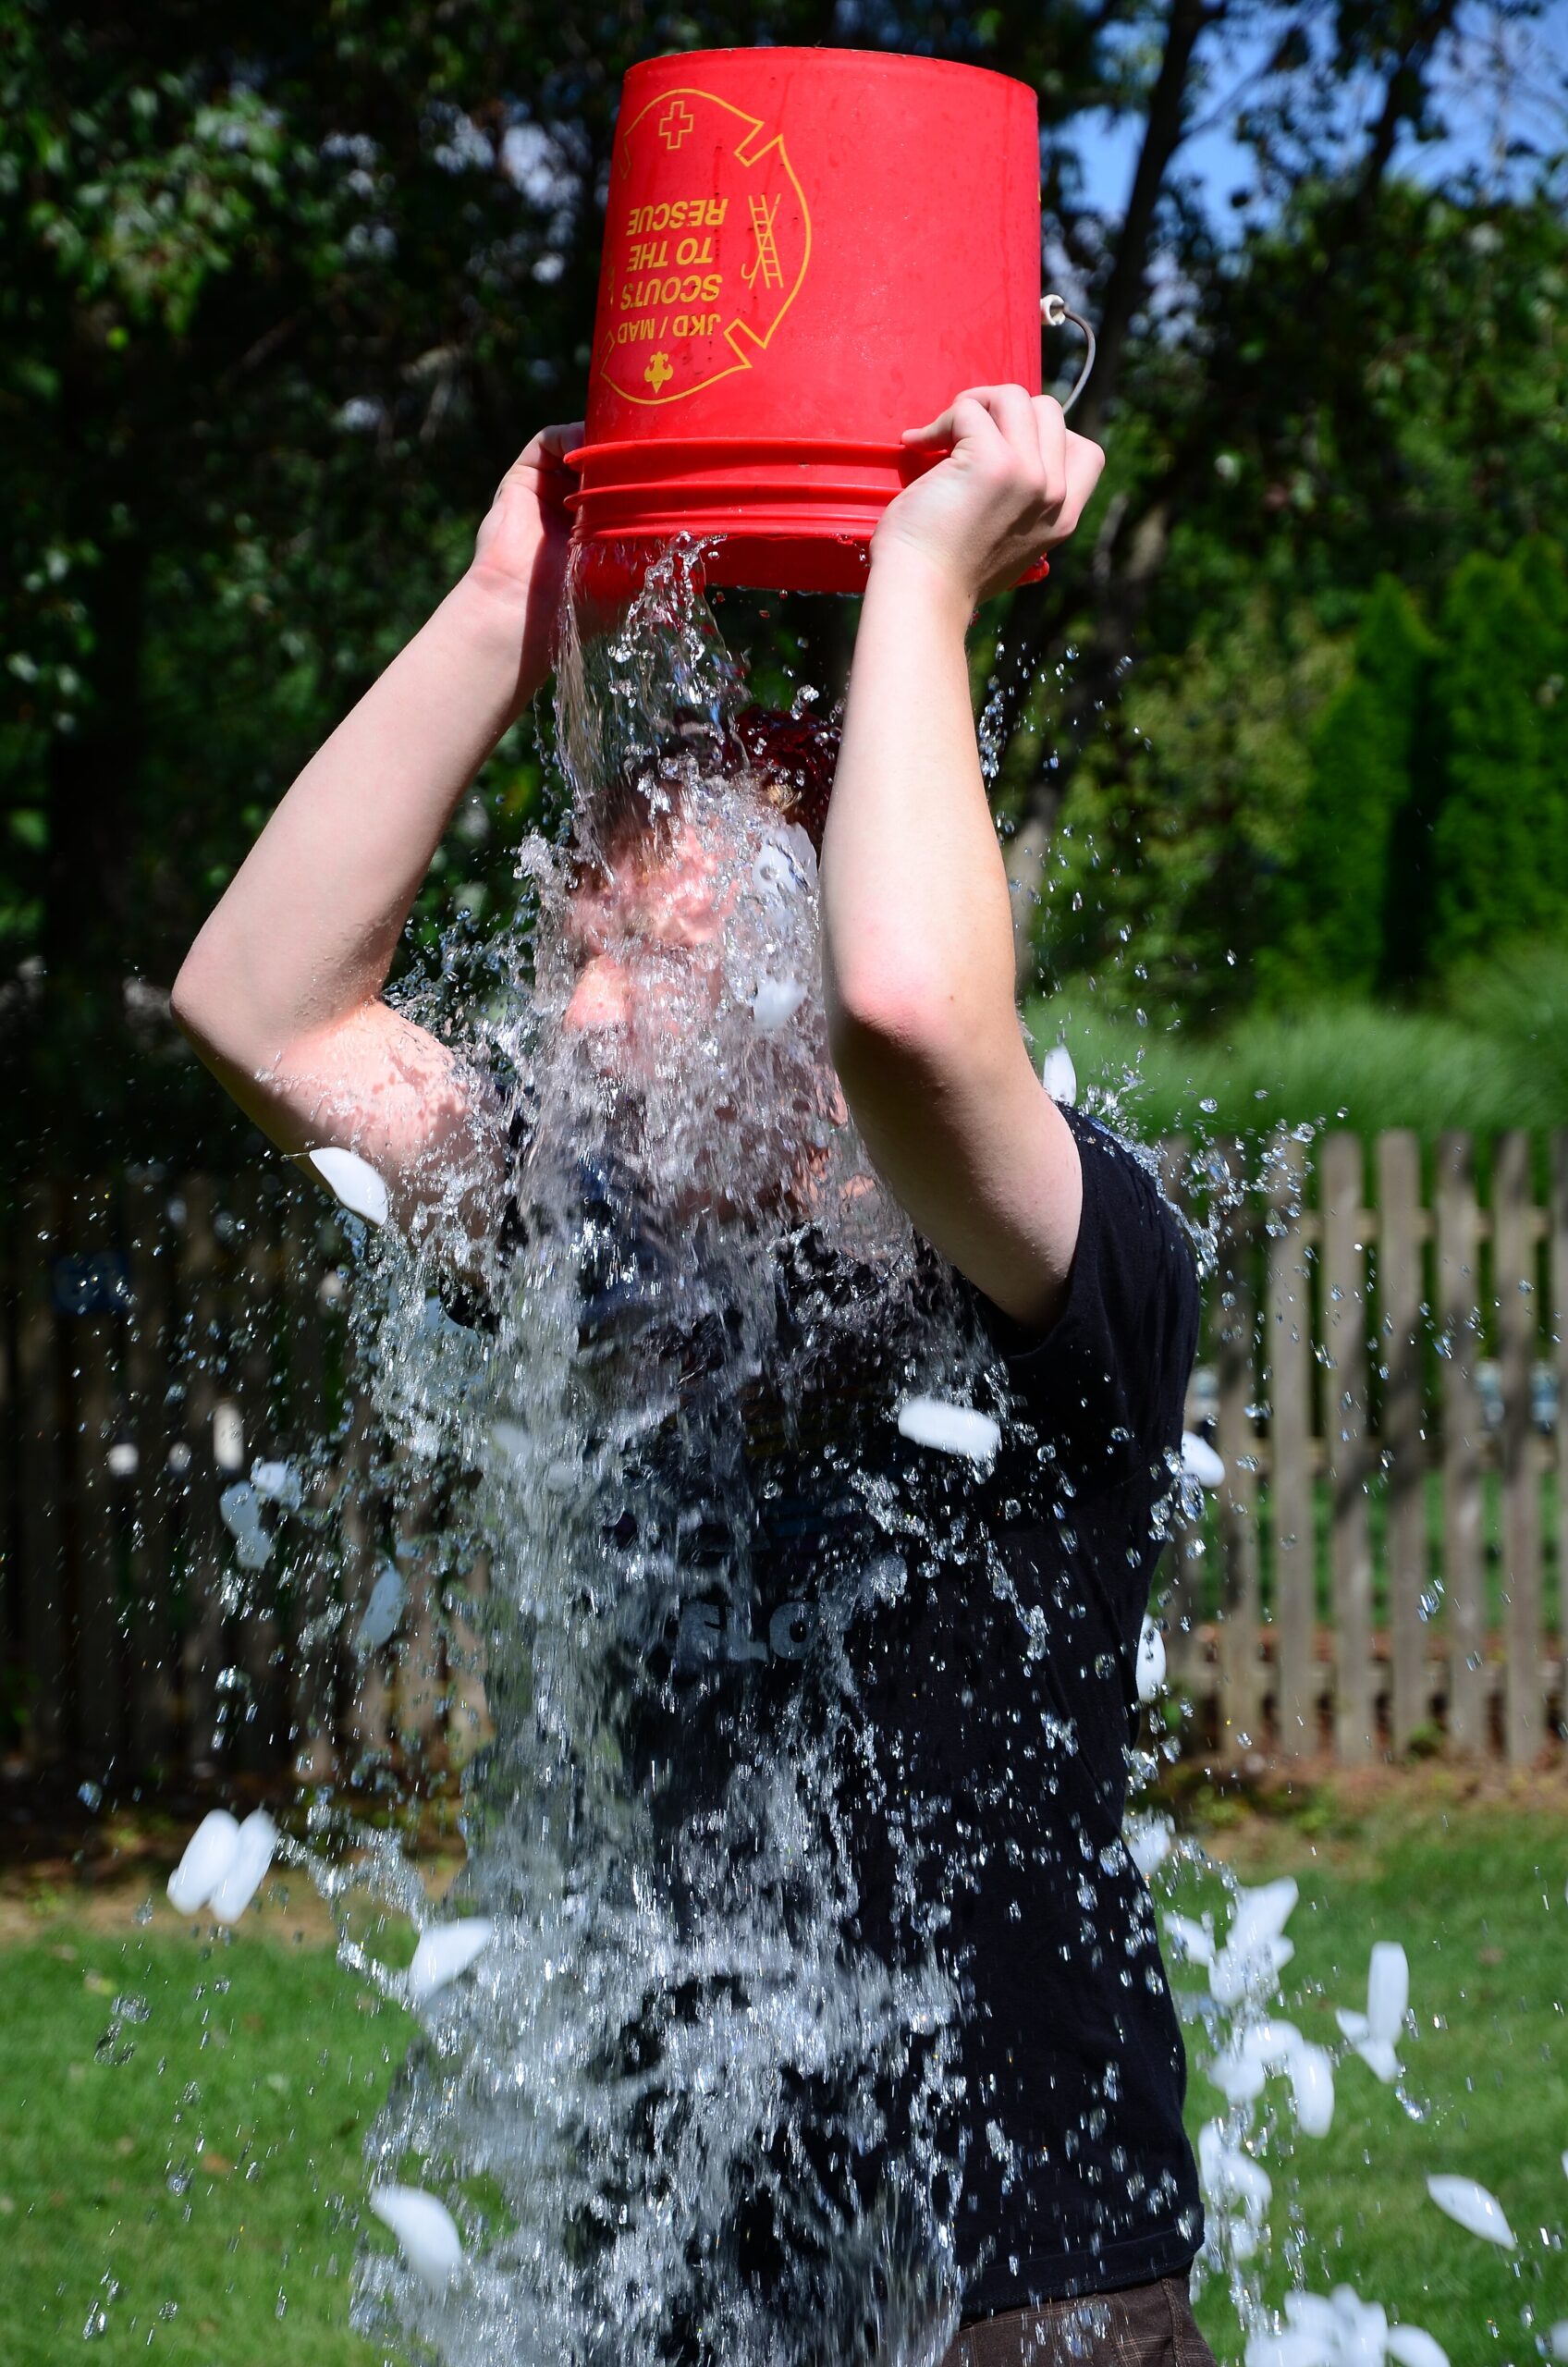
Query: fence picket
<point x="1236" y="1356"/>
<point x="1183" y="1572"/>
<point x="1459" y="1291"/>
<point x="1513" y="1279"/>
<point x="1289" y="1351"/>
<point x="1344" y="1422"/>
<point x="1405" y="1453"/>
<point x="312" y="1725"/>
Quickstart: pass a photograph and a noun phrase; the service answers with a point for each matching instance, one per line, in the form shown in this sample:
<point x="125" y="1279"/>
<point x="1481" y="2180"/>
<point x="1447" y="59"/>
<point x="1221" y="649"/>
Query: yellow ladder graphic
<point x="765" y="259"/>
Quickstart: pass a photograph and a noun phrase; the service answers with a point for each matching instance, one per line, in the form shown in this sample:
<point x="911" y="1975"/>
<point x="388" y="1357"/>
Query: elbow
<point x="906" y="1025"/>
<point x="194" y="1005"/>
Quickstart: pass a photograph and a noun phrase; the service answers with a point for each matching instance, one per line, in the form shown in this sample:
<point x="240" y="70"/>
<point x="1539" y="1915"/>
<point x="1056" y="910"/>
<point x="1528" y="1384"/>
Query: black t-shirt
<point x="952" y="1648"/>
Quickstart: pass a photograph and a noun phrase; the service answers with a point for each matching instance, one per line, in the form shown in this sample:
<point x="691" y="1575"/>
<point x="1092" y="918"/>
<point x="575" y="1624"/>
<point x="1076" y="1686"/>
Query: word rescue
<point x="651" y="284"/>
<point x="696" y="281"/>
<point x="680" y="214"/>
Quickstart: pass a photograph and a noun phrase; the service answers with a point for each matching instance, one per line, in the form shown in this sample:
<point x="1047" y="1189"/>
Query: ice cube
<point x="278" y="1483"/>
<point x="445" y="1950"/>
<point x="246" y="1872"/>
<point x="1199" y="1460"/>
<point x="950" y="1428"/>
<point x="1380" y="2059"/>
<point x="1292" y="2346"/>
<point x="424" y="2228"/>
<point x="776" y="1003"/>
<point x="1273" y="2044"/>
<point x="382" y="1611"/>
<point x="209" y="1852"/>
<point x="1413" y="2347"/>
<point x="1193" y="1941"/>
<point x="239" y="1509"/>
<point x="1058" y="1076"/>
<point x="1251" y="1970"/>
<point x="1312" y="2086"/>
<point x="1238" y="2075"/>
<point x="1148" y="1840"/>
<point x="1262" y="1913"/>
<point x="1472" y="2208"/>
<point x="355" y="1182"/>
<point x="1230" y="2175"/>
<point x="1387" y="1991"/>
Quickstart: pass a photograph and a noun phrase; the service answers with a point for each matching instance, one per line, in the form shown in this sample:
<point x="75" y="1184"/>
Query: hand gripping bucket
<point x="806" y="252"/>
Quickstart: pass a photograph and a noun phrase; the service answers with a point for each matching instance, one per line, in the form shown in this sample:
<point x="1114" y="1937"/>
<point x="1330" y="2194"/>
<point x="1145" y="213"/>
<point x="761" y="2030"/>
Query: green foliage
<point x="287" y="288"/>
<point x="1495" y="1059"/>
<point x="1499" y="837"/>
<point x="1348" y="890"/>
<point x="1182" y="816"/>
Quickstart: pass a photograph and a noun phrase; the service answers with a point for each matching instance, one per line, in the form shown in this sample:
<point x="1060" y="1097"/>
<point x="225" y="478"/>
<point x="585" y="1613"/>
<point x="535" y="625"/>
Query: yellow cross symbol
<point x="658" y="372"/>
<point x="674" y="123"/>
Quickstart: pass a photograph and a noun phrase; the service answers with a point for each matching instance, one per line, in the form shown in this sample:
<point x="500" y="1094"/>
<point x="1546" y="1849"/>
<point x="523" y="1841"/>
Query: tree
<point x="1499" y="837"/>
<point x="1346" y="894"/>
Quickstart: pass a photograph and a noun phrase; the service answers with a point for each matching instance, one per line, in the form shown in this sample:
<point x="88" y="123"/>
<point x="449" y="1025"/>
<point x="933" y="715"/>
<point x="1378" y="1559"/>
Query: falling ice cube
<point x="209" y="1852"/>
<point x="445" y="1950"/>
<point x="424" y="2228"/>
<point x="1312" y="2089"/>
<point x="1413" y="2347"/>
<point x="1149" y="1840"/>
<point x="1262" y="1913"/>
<point x="1058" y="1076"/>
<point x="1472" y="2208"/>
<point x="1194" y="1941"/>
<point x="246" y="1871"/>
<point x="1387" y="1991"/>
<point x="278" y="1483"/>
<point x="355" y="1182"/>
<point x="950" y="1429"/>
<point x="382" y="1611"/>
<point x="776" y="1003"/>
<point x="1199" y="1460"/>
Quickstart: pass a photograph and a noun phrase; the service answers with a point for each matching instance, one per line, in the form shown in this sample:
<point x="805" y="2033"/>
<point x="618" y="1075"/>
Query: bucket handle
<point x="1054" y="311"/>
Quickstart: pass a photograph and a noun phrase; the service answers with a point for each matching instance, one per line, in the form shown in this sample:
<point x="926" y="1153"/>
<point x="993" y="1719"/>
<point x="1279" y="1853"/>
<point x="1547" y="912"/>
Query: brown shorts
<point x="1144" y="2325"/>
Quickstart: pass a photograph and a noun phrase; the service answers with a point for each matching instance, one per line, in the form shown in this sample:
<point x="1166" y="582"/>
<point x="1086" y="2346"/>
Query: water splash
<point x="684" y="2102"/>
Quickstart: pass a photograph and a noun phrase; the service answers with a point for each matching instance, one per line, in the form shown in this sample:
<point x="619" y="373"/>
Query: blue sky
<point x="1506" y="84"/>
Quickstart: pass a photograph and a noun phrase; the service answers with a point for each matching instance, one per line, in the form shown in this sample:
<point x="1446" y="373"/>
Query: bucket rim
<point x="674" y="450"/>
<point x="831" y="57"/>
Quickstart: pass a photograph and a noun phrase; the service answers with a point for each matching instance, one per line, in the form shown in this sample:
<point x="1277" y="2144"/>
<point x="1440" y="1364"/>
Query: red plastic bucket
<point x="807" y="250"/>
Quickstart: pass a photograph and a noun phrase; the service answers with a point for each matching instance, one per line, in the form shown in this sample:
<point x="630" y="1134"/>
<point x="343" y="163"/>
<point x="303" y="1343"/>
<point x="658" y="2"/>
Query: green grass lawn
<point x="205" y="2190"/>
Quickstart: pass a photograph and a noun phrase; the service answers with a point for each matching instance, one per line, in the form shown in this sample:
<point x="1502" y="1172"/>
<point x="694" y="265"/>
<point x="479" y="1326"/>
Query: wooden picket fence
<point x="1383" y="1365"/>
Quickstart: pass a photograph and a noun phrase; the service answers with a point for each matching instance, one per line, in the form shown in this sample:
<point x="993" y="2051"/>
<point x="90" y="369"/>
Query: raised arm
<point x="281" y="994"/>
<point x="917" y="928"/>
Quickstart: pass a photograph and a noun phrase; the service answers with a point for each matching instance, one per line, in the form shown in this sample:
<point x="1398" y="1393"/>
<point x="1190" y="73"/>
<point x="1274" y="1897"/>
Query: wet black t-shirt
<point x="959" y="1643"/>
<point x="996" y="1702"/>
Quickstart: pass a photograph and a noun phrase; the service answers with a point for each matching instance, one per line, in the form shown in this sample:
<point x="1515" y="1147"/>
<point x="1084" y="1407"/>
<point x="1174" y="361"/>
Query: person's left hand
<point x="521" y="550"/>
<point x="1015" y="481"/>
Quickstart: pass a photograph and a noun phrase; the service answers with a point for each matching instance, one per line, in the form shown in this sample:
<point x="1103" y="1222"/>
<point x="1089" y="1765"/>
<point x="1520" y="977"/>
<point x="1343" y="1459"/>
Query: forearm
<point x="917" y="930"/>
<point x="305" y="934"/>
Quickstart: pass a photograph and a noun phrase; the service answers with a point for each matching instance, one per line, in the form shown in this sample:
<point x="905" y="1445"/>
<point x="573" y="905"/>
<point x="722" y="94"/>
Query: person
<point x="1079" y="2217"/>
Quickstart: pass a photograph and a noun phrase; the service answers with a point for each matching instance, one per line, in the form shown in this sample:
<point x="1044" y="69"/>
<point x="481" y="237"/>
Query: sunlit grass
<point x="258" y="2067"/>
<point x="1344" y="1064"/>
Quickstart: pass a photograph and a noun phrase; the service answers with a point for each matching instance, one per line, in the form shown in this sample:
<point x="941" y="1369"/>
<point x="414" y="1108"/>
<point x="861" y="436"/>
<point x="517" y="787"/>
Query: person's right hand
<point x="521" y="545"/>
<point x="1014" y="480"/>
